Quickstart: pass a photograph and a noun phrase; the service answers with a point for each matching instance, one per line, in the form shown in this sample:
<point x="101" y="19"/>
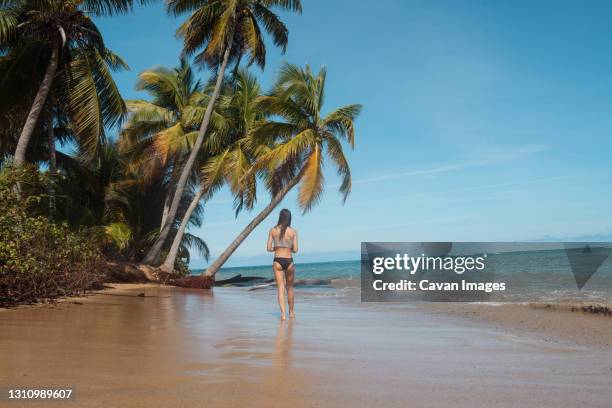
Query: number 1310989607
<point x="39" y="393"/>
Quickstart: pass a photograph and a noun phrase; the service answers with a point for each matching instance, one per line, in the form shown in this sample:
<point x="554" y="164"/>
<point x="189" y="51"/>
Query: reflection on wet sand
<point x="281" y="357"/>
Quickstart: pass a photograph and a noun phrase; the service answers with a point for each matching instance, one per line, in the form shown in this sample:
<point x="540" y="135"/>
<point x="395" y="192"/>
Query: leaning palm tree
<point x="63" y="31"/>
<point x="301" y="141"/>
<point x="231" y="157"/>
<point x="218" y="32"/>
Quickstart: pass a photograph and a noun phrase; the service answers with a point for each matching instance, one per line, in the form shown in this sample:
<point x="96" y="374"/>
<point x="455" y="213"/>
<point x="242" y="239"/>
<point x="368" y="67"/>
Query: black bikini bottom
<point x="285" y="263"/>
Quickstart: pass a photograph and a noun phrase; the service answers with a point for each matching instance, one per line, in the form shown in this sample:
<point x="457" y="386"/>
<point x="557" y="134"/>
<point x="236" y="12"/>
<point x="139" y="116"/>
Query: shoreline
<point x="113" y="289"/>
<point x="582" y="323"/>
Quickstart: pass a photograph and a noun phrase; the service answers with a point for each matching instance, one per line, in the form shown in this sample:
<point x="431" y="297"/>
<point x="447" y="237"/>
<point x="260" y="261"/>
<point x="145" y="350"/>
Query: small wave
<point x="301" y="283"/>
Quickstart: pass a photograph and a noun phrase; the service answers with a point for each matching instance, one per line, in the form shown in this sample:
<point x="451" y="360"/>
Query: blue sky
<point x="482" y="120"/>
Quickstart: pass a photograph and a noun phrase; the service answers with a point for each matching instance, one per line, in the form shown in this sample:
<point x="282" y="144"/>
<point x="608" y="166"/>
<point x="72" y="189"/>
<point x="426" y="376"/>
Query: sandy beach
<point x="190" y="348"/>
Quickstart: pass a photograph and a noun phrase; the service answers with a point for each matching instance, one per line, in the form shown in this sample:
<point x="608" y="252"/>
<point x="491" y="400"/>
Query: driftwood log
<point x="238" y="280"/>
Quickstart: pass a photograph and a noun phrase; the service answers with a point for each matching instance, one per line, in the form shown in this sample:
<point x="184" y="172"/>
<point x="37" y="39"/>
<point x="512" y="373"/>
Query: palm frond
<point x="119" y="233"/>
<point x="252" y="41"/>
<point x="311" y="185"/>
<point x="114" y="61"/>
<point x="110" y="7"/>
<point x="287" y="151"/>
<point x="213" y="172"/>
<point x="192" y="241"/>
<point x="8" y="25"/>
<point x="289" y="5"/>
<point x="93" y="99"/>
<point x="273" y="25"/>
<point x="84" y="105"/>
<point x="341" y="122"/>
<point x="336" y="155"/>
<point x="169" y="141"/>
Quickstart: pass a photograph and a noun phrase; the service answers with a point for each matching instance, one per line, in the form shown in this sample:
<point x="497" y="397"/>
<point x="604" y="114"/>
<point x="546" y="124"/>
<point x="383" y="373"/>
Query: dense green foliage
<point x="83" y="100"/>
<point x="41" y="259"/>
<point x="129" y="177"/>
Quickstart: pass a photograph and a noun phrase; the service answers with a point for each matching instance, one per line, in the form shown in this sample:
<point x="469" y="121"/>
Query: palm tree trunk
<point x="212" y="269"/>
<point x="152" y="256"/>
<point x="166" y="210"/>
<point x="168" y="265"/>
<point x="168" y="198"/>
<point x="52" y="163"/>
<point x="37" y="105"/>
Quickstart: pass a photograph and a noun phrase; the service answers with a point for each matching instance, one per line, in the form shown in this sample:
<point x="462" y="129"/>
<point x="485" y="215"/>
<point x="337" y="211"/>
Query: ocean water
<point x="531" y="276"/>
<point x="320" y="279"/>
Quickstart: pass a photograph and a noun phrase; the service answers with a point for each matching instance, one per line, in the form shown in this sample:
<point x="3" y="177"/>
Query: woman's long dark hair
<point x="284" y="221"/>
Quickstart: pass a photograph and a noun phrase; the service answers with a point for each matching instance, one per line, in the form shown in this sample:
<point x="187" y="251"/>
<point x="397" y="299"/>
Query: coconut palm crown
<point x="216" y="24"/>
<point x="306" y="135"/>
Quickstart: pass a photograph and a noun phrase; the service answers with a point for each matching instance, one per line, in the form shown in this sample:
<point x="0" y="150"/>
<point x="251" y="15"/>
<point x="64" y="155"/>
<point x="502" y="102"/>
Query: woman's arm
<point x="294" y="247"/>
<point x="269" y="246"/>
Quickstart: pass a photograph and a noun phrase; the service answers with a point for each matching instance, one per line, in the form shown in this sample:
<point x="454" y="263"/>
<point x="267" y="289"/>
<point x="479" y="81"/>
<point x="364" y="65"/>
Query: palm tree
<point x="231" y="161"/>
<point x="302" y="139"/>
<point x="160" y="132"/>
<point x="218" y="32"/>
<point x="63" y="31"/>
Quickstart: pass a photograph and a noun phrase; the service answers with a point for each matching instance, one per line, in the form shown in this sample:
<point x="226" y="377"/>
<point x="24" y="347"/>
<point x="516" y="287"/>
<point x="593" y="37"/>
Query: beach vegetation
<point x="39" y="258"/>
<point x="93" y="184"/>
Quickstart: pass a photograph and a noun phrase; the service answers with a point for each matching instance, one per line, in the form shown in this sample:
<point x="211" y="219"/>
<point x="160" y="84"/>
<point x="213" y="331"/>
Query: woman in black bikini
<point x="282" y="240"/>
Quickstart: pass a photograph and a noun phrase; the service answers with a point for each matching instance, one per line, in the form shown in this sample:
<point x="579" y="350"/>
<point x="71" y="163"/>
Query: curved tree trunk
<point x="166" y="210"/>
<point x="212" y="269"/>
<point x="168" y="265"/>
<point x="168" y="198"/>
<point x="152" y="257"/>
<point x="52" y="163"/>
<point x="37" y="105"/>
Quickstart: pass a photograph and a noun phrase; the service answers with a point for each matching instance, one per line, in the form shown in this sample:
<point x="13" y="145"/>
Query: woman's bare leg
<point x="280" y="286"/>
<point x="290" y="277"/>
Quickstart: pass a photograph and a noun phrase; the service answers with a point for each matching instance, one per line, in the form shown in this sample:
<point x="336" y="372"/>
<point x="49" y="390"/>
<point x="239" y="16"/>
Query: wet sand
<point x="560" y="323"/>
<point x="190" y="348"/>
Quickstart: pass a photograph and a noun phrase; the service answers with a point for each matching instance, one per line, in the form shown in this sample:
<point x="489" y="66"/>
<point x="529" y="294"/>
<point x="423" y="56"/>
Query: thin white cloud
<point x="516" y="183"/>
<point x="437" y="220"/>
<point x="504" y="157"/>
<point x="455" y="191"/>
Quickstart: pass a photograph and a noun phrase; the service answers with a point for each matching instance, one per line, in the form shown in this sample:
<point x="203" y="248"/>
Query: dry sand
<point x="189" y="348"/>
